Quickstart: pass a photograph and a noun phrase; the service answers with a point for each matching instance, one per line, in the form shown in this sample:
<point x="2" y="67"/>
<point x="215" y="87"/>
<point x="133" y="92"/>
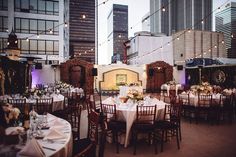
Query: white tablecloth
<point x="58" y="102"/>
<point x="169" y="87"/>
<point x="127" y="112"/>
<point x="65" y="149"/>
<point x="194" y="98"/>
<point x="125" y="89"/>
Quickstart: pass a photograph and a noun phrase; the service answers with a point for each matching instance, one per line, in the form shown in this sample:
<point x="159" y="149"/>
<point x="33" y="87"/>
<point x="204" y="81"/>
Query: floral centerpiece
<point x="135" y="95"/>
<point x="204" y="88"/>
<point x="11" y="114"/>
<point x="62" y="85"/>
<point x="171" y="83"/>
<point x="34" y="92"/>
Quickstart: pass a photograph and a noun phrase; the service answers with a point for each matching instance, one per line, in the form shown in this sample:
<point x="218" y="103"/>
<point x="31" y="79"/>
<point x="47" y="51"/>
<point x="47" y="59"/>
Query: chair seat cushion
<point x="165" y="125"/>
<point x="143" y="126"/>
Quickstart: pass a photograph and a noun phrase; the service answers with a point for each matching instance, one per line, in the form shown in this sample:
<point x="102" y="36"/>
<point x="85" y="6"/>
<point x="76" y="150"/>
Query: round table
<point x="127" y="112"/>
<point x="62" y="147"/>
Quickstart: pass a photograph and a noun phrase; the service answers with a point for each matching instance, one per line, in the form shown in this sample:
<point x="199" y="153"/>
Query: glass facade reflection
<point x="117" y="31"/>
<point x="36" y="26"/>
<point x="180" y="15"/>
<point x="37" y="6"/>
<point x="226" y="23"/>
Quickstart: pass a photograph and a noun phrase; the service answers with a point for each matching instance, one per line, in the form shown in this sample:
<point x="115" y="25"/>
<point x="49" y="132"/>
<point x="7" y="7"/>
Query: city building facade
<point x="189" y="44"/>
<point x="40" y="27"/>
<point x="117" y="31"/>
<point x="168" y="16"/>
<point x="226" y="23"/>
<point x="142" y="48"/>
<point x="82" y="29"/>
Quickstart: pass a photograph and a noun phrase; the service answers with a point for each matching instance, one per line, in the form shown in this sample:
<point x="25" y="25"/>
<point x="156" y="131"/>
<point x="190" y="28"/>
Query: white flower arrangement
<point x="204" y="88"/>
<point x="135" y="95"/>
<point x="11" y="113"/>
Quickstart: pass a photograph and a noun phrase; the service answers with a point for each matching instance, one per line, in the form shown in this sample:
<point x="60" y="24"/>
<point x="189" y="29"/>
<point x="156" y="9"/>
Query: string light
<point x="160" y="9"/>
<point x="232" y="36"/>
<point x="65" y="24"/>
<point x="37" y="35"/>
<point x="119" y="36"/>
<point x="8" y="43"/>
<point x="215" y="46"/>
<point x="50" y="31"/>
<point x="163" y="9"/>
<point x="202" y="21"/>
<point x="27" y="39"/>
<point x="83" y="16"/>
<point x="189" y="30"/>
<point x="16" y="42"/>
<point x="222" y="41"/>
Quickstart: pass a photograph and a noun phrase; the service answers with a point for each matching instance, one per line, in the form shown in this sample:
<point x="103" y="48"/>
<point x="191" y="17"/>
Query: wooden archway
<point x="78" y="73"/>
<point x="158" y="73"/>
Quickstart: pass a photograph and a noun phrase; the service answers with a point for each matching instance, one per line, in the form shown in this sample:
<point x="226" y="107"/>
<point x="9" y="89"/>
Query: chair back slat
<point x="146" y="114"/>
<point x="74" y="117"/>
<point x="204" y="100"/>
<point x="109" y="112"/>
<point x="93" y="120"/>
<point x="44" y="105"/>
<point x="19" y="103"/>
<point x="184" y="98"/>
<point x="172" y="113"/>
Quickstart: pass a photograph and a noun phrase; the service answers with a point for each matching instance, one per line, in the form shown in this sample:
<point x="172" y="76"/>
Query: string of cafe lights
<point x="178" y="36"/>
<point x="50" y="30"/>
<point x="163" y="9"/>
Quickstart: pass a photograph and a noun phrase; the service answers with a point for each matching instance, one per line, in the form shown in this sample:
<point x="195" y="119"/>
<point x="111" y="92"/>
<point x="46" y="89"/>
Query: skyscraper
<point x="226" y="23"/>
<point x="117" y="31"/>
<point x="82" y="29"/>
<point x="169" y="16"/>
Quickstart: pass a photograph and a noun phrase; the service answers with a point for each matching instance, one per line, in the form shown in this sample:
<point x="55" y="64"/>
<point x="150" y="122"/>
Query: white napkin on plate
<point x="14" y="130"/>
<point x="54" y="135"/>
<point x="32" y="148"/>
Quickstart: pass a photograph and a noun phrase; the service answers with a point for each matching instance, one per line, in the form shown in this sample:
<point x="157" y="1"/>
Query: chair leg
<point x="117" y="142"/>
<point x="177" y="138"/>
<point x="162" y="139"/>
<point x="180" y="135"/>
<point x="135" y="142"/>
<point x="155" y="143"/>
<point x="149" y="139"/>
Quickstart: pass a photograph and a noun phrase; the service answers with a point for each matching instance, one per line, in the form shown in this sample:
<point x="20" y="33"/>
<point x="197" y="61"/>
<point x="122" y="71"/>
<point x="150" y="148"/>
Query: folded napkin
<point x="14" y="130"/>
<point x="54" y="134"/>
<point x="32" y="148"/>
